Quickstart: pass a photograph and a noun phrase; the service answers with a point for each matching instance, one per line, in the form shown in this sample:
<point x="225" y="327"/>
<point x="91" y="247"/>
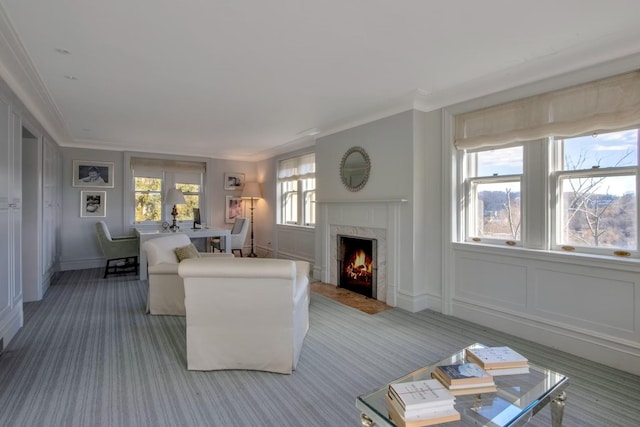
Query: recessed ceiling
<point x="243" y="79"/>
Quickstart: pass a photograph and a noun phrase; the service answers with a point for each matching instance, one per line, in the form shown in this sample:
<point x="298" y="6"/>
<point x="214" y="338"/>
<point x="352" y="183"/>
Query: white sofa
<point x="166" y="290"/>
<point x="245" y="313"/>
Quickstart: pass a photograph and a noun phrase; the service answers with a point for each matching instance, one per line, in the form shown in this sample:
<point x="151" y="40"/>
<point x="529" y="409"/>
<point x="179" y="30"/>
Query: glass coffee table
<point x="518" y="398"/>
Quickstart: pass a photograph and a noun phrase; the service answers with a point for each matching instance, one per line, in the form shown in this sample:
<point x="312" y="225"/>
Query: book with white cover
<point x="416" y="413"/>
<point x="420" y="394"/>
<point x="496" y="357"/>
<point x="437" y="415"/>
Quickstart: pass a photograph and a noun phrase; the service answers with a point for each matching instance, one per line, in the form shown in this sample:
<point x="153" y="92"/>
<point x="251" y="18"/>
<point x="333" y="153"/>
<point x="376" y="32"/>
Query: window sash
<point x="296" y="178"/>
<point x="475" y="215"/>
<point x="597" y="213"/>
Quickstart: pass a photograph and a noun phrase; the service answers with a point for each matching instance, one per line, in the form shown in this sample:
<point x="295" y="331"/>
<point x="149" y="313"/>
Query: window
<point x="148" y="197"/>
<point x="152" y="178"/>
<point x="596" y="188"/>
<point x="555" y="171"/>
<point x="493" y="186"/>
<point x="297" y="190"/>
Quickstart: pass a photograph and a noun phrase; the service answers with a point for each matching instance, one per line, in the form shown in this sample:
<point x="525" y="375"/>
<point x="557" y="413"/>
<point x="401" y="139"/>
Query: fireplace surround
<point x="372" y="219"/>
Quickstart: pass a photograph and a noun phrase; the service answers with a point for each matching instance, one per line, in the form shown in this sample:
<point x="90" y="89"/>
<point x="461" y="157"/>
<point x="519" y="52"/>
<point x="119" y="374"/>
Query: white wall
<point x="79" y="245"/>
<point x="405" y="154"/>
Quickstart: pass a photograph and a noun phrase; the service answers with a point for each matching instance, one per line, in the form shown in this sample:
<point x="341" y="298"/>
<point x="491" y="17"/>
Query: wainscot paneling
<point x="603" y="301"/>
<point x="492" y="282"/>
<point x="296" y="243"/>
<point x="583" y="305"/>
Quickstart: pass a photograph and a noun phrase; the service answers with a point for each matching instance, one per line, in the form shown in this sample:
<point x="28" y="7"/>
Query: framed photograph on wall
<point x="87" y="173"/>
<point x="234" y="208"/>
<point x="93" y="204"/>
<point x="233" y="181"/>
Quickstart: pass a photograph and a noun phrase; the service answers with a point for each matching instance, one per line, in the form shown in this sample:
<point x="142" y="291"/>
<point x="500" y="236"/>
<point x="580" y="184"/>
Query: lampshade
<point x="251" y="191"/>
<point x="174" y="197"/>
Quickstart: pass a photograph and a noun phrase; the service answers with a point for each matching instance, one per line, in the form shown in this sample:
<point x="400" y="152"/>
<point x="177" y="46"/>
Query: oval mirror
<point x="355" y="168"/>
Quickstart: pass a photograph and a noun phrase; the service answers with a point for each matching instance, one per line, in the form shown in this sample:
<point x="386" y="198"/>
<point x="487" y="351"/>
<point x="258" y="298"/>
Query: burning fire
<point x="360" y="267"/>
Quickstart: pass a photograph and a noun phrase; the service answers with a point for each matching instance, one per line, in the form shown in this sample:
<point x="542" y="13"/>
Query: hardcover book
<point x="463" y="375"/>
<point x="496" y="357"/>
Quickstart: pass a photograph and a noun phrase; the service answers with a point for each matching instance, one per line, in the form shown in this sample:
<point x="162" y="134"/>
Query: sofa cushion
<point x="186" y="252"/>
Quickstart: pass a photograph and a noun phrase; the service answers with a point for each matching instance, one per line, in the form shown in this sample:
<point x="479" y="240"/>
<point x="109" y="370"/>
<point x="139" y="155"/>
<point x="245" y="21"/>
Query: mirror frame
<point x="367" y="161"/>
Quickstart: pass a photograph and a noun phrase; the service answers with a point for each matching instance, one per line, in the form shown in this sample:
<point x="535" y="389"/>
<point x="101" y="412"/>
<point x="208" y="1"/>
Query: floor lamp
<point x="174" y="197"/>
<point x="251" y="191"/>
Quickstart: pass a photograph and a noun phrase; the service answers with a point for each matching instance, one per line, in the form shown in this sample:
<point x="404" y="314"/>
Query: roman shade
<point x="297" y="168"/>
<point x="603" y="105"/>
<point x="142" y="165"/>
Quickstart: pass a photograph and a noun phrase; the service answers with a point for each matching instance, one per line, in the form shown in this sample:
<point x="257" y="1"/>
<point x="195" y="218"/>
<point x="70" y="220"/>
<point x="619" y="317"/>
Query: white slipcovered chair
<point x="166" y="289"/>
<point x="245" y="313"/>
<point x="121" y="252"/>
<point x="238" y="236"/>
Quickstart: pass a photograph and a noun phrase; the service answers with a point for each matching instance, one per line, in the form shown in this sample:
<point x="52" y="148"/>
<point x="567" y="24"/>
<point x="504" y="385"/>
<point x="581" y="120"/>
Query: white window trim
<point x="128" y="188"/>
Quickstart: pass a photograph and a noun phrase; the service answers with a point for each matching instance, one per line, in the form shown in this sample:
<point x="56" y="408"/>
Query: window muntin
<point x="296" y="190"/>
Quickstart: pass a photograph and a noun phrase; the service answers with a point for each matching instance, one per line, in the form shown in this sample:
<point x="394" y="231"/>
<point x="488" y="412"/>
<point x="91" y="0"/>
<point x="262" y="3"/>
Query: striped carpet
<point x="88" y="355"/>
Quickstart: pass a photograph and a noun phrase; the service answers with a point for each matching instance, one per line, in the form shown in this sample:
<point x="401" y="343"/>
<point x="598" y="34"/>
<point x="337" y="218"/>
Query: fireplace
<point x="357" y="265"/>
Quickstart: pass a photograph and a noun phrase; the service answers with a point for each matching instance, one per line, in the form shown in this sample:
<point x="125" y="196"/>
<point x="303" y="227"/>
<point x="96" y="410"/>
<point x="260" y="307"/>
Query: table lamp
<point x="252" y="191"/>
<point x="174" y="197"/>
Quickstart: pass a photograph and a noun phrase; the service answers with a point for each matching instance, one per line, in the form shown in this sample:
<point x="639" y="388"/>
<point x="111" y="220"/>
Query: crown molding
<point x="20" y="75"/>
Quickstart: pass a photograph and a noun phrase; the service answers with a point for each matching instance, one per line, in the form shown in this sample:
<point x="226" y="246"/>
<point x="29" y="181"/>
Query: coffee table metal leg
<point x="557" y="409"/>
<point x="366" y="421"/>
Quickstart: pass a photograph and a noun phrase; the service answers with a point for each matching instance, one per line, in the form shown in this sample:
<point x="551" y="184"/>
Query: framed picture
<point x="235" y="208"/>
<point x="233" y="181"/>
<point x="87" y="173"/>
<point x="93" y="204"/>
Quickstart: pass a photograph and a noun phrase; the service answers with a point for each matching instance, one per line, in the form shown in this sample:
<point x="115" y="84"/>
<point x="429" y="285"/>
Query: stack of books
<point x="498" y="360"/>
<point x="420" y="403"/>
<point x="464" y="378"/>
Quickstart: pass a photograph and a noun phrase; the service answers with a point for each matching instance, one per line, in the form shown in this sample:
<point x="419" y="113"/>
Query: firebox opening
<point x="357" y="269"/>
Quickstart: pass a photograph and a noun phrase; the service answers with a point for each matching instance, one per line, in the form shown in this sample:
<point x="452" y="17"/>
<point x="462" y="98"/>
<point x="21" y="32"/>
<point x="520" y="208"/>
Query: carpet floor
<point x="89" y="355"/>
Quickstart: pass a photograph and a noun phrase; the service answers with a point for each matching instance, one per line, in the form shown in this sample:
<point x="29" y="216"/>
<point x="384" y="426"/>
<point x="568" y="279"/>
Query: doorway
<point x="31" y="217"/>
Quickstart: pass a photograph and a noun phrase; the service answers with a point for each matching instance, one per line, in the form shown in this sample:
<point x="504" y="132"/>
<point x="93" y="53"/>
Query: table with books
<point x="478" y="385"/>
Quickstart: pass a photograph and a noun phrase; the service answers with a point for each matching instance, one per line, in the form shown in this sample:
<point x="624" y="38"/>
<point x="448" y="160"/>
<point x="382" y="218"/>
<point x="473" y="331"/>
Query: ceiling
<point x="248" y="79"/>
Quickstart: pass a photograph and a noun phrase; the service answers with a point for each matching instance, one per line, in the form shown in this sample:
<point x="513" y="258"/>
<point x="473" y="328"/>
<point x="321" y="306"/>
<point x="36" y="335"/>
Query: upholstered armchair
<point x="238" y="236"/>
<point x="245" y="313"/>
<point x="121" y="252"/>
<point x="166" y="289"/>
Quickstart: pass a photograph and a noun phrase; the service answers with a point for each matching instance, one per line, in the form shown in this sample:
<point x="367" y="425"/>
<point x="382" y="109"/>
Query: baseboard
<point x="412" y="303"/>
<point x="81" y="264"/>
<point x="611" y="352"/>
<point x="10" y="326"/>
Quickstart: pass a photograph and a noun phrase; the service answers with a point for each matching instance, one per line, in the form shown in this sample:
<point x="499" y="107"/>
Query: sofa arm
<point x="163" y="268"/>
